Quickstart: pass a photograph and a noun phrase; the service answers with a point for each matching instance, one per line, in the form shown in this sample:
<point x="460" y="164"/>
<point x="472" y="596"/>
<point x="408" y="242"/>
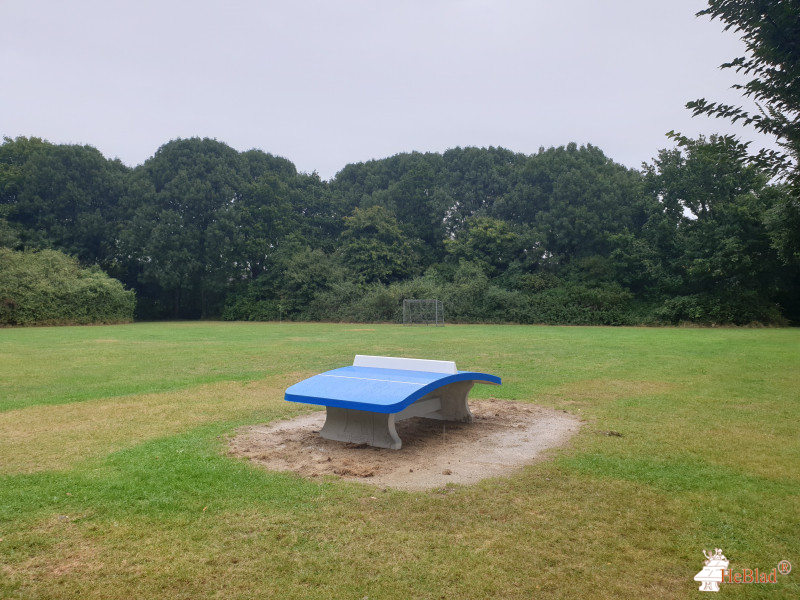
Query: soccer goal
<point x="423" y="312"/>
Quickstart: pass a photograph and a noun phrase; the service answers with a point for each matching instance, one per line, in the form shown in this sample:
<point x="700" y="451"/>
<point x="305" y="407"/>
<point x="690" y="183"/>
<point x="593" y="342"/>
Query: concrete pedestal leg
<point x="361" y="427"/>
<point x="454" y="402"/>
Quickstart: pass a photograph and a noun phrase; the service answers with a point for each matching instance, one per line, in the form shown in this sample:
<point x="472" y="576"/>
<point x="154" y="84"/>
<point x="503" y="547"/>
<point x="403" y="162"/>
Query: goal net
<point x="423" y="312"/>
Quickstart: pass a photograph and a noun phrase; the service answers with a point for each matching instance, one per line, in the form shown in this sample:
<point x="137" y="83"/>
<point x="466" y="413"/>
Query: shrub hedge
<point x="50" y="288"/>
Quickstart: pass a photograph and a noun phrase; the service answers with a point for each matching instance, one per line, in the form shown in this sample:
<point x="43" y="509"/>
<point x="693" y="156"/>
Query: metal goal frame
<point x="423" y="312"/>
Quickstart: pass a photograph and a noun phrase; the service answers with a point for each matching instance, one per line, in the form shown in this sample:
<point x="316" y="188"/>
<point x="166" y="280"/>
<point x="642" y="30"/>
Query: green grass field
<point x="115" y="483"/>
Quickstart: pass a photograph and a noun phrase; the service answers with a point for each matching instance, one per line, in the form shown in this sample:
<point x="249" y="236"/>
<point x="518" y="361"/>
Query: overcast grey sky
<point x="325" y="83"/>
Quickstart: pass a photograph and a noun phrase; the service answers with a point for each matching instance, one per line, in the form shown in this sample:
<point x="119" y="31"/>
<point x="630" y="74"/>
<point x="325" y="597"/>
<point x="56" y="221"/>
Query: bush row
<point x="469" y="296"/>
<point x="51" y="288"/>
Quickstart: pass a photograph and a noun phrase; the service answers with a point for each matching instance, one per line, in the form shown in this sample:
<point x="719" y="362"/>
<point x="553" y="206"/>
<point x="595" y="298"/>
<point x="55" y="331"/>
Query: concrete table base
<point x="448" y="403"/>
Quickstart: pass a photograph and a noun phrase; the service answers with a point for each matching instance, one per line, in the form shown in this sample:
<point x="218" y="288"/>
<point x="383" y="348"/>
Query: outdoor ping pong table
<point x="364" y="401"/>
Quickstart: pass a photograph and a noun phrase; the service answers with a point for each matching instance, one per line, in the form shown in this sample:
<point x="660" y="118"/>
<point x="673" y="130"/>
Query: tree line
<point x="565" y="235"/>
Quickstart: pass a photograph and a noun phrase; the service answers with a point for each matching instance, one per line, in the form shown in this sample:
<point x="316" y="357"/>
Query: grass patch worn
<point x="53" y="437"/>
<point x="115" y="482"/>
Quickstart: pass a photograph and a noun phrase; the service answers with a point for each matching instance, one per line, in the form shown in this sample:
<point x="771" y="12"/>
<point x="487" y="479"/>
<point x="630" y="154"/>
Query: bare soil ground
<point x="503" y="437"/>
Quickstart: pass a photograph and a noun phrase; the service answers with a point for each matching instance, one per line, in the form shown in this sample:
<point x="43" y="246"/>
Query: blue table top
<point x="375" y="390"/>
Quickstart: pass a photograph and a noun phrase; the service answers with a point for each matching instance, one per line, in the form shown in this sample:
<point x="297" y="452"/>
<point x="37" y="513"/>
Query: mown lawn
<point x="115" y="483"/>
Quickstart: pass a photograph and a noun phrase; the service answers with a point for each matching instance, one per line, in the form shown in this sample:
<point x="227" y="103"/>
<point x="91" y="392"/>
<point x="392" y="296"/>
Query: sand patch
<point x="504" y="437"/>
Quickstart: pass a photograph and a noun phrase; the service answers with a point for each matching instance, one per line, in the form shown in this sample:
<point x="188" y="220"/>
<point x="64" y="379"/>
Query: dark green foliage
<point x="203" y="217"/>
<point x="473" y="180"/>
<point x="407" y="187"/>
<point x="564" y="236"/>
<point x="181" y="232"/>
<point x="50" y="288"/>
<point x="289" y="290"/>
<point x="250" y="306"/>
<point x="718" y="307"/>
<point x="576" y="304"/>
<point x="62" y="196"/>
<point x="574" y="198"/>
<point x="374" y="247"/>
<point x="715" y="258"/>
<point x="494" y="244"/>
<point x="770" y="29"/>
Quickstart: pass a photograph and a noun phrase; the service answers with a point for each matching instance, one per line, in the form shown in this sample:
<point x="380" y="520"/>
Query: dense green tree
<point x="62" y="196"/>
<point x="720" y="260"/>
<point x="406" y="186"/>
<point x="783" y="224"/>
<point x="175" y="236"/>
<point x="474" y="179"/>
<point x="373" y="246"/>
<point x="575" y="199"/>
<point x="358" y="181"/>
<point x="410" y="198"/>
<point x="305" y="274"/>
<point x="213" y="217"/>
<point x="255" y="225"/>
<point x="770" y="29"/>
<point x="296" y="277"/>
<point x="493" y="244"/>
<point x="260" y="163"/>
<point x="9" y="238"/>
<point x="317" y="213"/>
